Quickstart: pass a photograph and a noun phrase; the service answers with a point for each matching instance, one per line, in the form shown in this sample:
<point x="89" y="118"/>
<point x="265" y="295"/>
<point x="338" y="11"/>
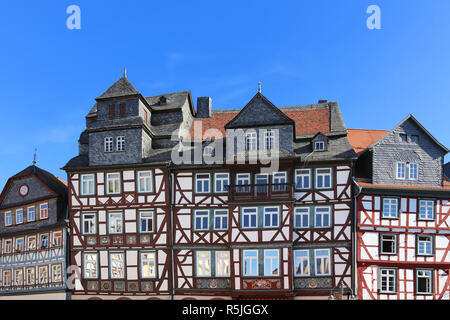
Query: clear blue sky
<point x="301" y="51"/>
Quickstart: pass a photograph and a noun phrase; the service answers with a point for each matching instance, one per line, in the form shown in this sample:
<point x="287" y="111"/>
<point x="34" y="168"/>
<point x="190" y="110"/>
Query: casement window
<point x="425" y="245"/>
<point x="115" y="222"/>
<point x="403" y="137"/>
<point x="146" y="219"/>
<point x="390" y="208"/>
<point x="388" y="244"/>
<point x="43" y="211"/>
<point x="249" y="217"/>
<point x="8" y="218"/>
<point x="89" y="223"/>
<point x="56" y="273"/>
<point x="113" y="183"/>
<point x="322" y="217"/>
<point x="242" y="180"/>
<point x="145" y="181"/>
<point x="323" y="178"/>
<point x="301" y="263"/>
<point x="108" y="144"/>
<point x="322" y="262"/>
<point x="301" y="217"/>
<point x="319" y="146"/>
<point x="424" y="281"/>
<point x="31" y="214"/>
<point x="262" y="182"/>
<point x="43" y="274"/>
<point x="30" y="276"/>
<point x="203" y="259"/>
<point x="117" y="265"/>
<point x="222" y="181"/>
<point x="388" y="280"/>
<point x="90" y="265"/>
<point x="120" y="143"/>
<point x="413" y="169"/>
<point x="220" y="219"/>
<point x="112" y="110"/>
<point x="271" y="262"/>
<point x="7" y="278"/>
<point x="145" y="116"/>
<point x="401" y="170"/>
<point x="44" y="241"/>
<point x="202" y="183"/>
<point x="269" y="137"/>
<point x="57" y="239"/>
<point x="19" y="216"/>
<point x="87" y="185"/>
<point x="122" y="109"/>
<point x="250" y="141"/>
<point x="31" y="243"/>
<point x="148" y="265"/>
<point x="18" y="277"/>
<point x="426" y="209"/>
<point x="201" y="219"/>
<point x="302" y="179"/>
<point x="222" y="263"/>
<point x="414" y="138"/>
<point x="20" y="244"/>
<point x="271" y="217"/>
<point x="7" y="246"/>
<point x="250" y="263"/>
<point x="279" y="180"/>
<point x="406" y="170"/>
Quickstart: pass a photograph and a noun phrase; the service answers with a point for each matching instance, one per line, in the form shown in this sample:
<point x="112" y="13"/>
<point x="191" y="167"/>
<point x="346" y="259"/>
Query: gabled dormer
<point x="319" y="143"/>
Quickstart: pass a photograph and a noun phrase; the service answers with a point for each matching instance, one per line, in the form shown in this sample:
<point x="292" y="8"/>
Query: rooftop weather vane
<point x="34" y="156"/>
<point x="259" y="87"/>
<point x="125" y="73"/>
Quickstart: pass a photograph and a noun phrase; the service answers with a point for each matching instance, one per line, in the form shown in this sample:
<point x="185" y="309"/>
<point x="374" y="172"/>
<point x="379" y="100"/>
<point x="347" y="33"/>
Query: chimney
<point x="323" y="101"/>
<point x="204" y="107"/>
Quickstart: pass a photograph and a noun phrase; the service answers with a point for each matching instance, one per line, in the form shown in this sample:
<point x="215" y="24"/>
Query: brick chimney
<point x="204" y="107"/>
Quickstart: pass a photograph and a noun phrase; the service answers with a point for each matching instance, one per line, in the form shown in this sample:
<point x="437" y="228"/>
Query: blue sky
<point x="301" y="51"/>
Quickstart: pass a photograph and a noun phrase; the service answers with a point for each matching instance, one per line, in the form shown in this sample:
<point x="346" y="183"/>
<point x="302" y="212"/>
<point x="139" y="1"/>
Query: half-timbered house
<point x="402" y="211"/>
<point x="33" y="236"/>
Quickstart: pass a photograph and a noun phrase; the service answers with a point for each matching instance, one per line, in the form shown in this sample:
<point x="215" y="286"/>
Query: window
<point x="390" y="208"/>
<point x="56" y="273"/>
<point x="90" y="265"/>
<point x="249" y="217"/>
<point x="271" y="217"/>
<point x="425" y="245"/>
<point x="424" y="281"/>
<point x="148" y="265"/>
<point x="7" y="278"/>
<point x="7" y="246"/>
<point x="112" y="110"/>
<point x="388" y="280"/>
<point x="43" y="274"/>
<point x="401" y="170"/>
<point x="243" y="179"/>
<point x="122" y="109"/>
<point x="302" y="179"/>
<point x="117" y="265"/>
<point x="113" y="183"/>
<point x="388" y="244"/>
<point x="222" y="263"/>
<point x="31" y="214"/>
<point x="203" y="263"/>
<point x="208" y="151"/>
<point x="250" y="262"/>
<point x="322" y="217"/>
<point x="120" y="143"/>
<point x="279" y="180"/>
<point x="415" y="138"/>
<point x="31" y="243"/>
<point x="319" y="146"/>
<point x="30" y="276"/>
<point x="19" y="216"/>
<point x="220" y="219"/>
<point x="202" y="182"/>
<point x="250" y="141"/>
<point x="271" y="262"/>
<point x="301" y="262"/>
<point x="87" y="184"/>
<point x="269" y="139"/>
<point x="44" y="241"/>
<point x="322" y="265"/>
<point x="18" y="277"/>
<point x="323" y="178"/>
<point x="413" y="171"/>
<point x="8" y="218"/>
<point x="20" y="244"/>
<point x="261" y="181"/>
<point x="115" y="220"/>
<point x="403" y="137"/>
<point x="146" y="221"/>
<point x="108" y="144"/>
<point x="222" y="180"/>
<point x="43" y="211"/>
<point x="145" y="181"/>
<point x="301" y="217"/>
<point x="57" y="239"/>
<point x="89" y="223"/>
<point x="145" y="116"/>
<point x="426" y="209"/>
<point x="201" y="218"/>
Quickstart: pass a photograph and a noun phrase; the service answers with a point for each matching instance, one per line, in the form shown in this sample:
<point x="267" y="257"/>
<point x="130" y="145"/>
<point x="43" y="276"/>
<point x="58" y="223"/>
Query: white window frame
<point x="319" y="145"/>
<point x="269" y="139"/>
<point x="203" y="267"/>
<point x="224" y="180"/>
<point x="94" y="224"/>
<point x="120" y="266"/>
<point x="388" y="273"/>
<point x="202" y="215"/>
<point x="223" y="258"/>
<point x="147" y="215"/>
<point x="114" y="222"/>
<point x="427" y="204"/>
<point x="222" y="215"/>
<point x="87" y="186"/>
<point x="116" y="178"/>
<point x="243" y="177"/>
<point x="251" y="259"/>
<point x="300" y="212"/>
<point x="203" y="180"/>
<point x="301" y="173"/>
<point x="323" y="258"/>
<point x="8" y="217"/>
<point x="300" y="257"/>
<point x="272" y="260"/>
<point x="93" y="255"/>
<point x="244" y="214"/>
<point x="148" y="260"/>
<point x="391" y="205"/>
<point x="271" y="214"/>
<point x="251" y="141"/>
<point x="323" y="176"/>
<point x="120" y="143"/>
<point x="329" y="213"/>
<point x="420" y="273"/>
<point x="21" y="215"/>
<point x="394" y="240"/>
<point x="145" y="184"/>
<point x="28" y="214"/>
<point x="41" y="216"/>
<point x="108" y="144"/>
<point x="430" y="241"/>
<point x="416" y="171"/>
<point x="400" y="174"/>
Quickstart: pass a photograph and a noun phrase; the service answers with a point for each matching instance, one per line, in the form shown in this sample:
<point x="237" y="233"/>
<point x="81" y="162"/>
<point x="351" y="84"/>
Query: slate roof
<point x="361" y="139"/>
<point x="174" y="100"/>
<point x="120" y="88"/>
<point x="447" y="170"/>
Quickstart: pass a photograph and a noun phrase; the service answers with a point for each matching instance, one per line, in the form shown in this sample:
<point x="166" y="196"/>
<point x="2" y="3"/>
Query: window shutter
<point x="112" y="111"/>
<point x="122" y="109"/>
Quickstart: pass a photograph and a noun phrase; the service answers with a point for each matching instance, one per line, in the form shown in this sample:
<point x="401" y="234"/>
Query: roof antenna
<point x="125" y="73"/>
<point x="259" y="87"/>
<point x="34" y="156"/>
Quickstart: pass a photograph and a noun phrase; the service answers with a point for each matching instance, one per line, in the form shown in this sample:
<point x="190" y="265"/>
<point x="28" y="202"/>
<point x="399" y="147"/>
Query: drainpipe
<point x="171" y="236"/>
<point x="354" y="242"/>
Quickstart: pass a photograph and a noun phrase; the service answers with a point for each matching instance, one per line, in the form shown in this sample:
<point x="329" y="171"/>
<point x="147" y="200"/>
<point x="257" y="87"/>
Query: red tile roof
<point x="360" y="139"/>
<point x="307" y="122"/>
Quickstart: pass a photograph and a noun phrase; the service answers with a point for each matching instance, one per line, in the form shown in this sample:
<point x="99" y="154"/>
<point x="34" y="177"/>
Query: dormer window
<point x="319" y="146"/>
<point x="122" y="109"/>
<point x="403" y="137"/>
<point x="319" y="143"/>
<point x="162" y="100"/>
